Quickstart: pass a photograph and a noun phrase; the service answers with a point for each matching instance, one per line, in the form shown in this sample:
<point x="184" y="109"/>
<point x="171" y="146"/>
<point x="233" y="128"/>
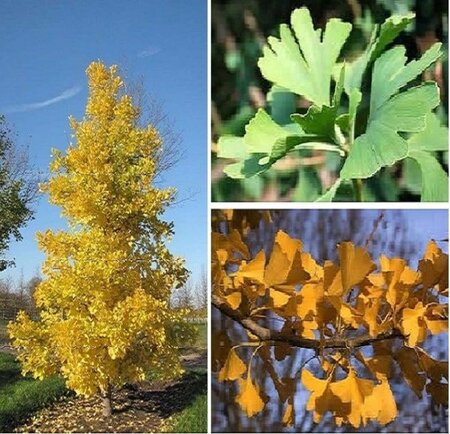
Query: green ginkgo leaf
<point x="434" y="179"/>
<point x="264" y="143"/>
<point x="381" y="37"/>
<point x="304" y="63"/>
<point x="381" y="144"/>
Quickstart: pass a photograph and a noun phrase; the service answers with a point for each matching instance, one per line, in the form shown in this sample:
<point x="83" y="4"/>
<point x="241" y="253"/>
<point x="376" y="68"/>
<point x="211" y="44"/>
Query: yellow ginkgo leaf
<point x="227" y="245"/>
<point x="317" y="387"/>
<point x="350" y="315"/>
<point x="434" y="268"/>
<point x="234" y="299"/>
<point x="352" y="391"/>
<point x="323" y="399"/>
<point x="311" y="267"/>
<point x="252" y="270"/>
<point x="380" y="366"/>
<point x="332" y="281"/>
<point x="370" y="316"/>
<point x="308" y="298"/>
<point x="436" y="326"/>
<point x="284" y="270"/>
<point x="376" y="279"/>
<point x="413" y="324"/>
<point x="399" y="278"/>
<point x="355" y="264"/>
<point x="436" y="318"/>
<point x="218" y="274"/>
<point x="233" y="368"/>
<point x="249" y="398"/>
<point x="279" y="298"/>
<point x="380" y="405"/>
<point x="306" y="328"/>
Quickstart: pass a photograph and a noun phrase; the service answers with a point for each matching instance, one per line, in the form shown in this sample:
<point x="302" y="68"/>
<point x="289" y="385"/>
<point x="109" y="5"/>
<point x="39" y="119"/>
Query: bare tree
<point x="184" y="297"/>
<point x="201" y="293"/>
<point x="152" y="112"/>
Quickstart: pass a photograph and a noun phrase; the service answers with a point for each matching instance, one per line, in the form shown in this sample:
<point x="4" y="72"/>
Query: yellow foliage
<point x="434" y="268"/>
<point x="285" y="269"/>
<point x="105" y="317"/>
<point x="380" y="405"/>
<point x="279" y="298"/>
<point x="291" y="296"/>
<point x="234" y="367"/>
<point x="252" y="270"/>
<point x="234" y="299"/>
<point x="249" y="397"/>
<point x="414" y="325"/>
<point x="352" y="400"/>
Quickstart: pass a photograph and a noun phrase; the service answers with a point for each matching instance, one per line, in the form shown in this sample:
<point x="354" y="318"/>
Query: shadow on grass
<point x="170" y="399"/>
<point x="9" y="370"/>
<point x="20" y="396"/>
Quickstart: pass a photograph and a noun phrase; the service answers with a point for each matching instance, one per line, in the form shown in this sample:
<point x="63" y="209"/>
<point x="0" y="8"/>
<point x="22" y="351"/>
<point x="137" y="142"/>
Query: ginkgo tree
<point x="369" y="131"/>
<point x="105" y="317"/>
<point x="362" y="320"/>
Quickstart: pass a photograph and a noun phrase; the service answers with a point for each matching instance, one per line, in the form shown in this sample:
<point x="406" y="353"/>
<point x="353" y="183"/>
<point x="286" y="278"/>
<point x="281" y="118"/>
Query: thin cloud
<point x="68" y="93"/>
<point x="150" y="51"/>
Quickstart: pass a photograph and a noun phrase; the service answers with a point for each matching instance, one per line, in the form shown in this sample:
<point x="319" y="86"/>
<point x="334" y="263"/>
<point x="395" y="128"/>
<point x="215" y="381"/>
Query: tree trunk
<point x="107" y="402"/>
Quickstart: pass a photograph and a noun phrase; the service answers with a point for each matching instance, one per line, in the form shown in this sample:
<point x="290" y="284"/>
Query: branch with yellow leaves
<point x="265" y="334"/>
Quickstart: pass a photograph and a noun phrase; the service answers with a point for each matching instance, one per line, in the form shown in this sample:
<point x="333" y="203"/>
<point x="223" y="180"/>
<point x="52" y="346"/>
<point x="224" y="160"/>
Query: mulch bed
<point x="140" y="407"/>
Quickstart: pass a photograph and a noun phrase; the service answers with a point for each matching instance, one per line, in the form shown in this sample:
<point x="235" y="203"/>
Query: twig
<point x="266" y="335"/>
<point x="376" y="223"/>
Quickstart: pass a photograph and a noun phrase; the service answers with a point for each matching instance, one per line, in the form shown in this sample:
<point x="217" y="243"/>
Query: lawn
<point x="202" y="337"/>
<point x="21" y="396"/>
<point x="194" y="417"/>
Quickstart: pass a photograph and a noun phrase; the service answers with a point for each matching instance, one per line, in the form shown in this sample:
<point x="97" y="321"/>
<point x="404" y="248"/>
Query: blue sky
<point x="45" y="49"/>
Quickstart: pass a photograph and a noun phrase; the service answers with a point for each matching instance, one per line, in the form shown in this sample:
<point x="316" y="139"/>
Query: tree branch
<point x="265" y="334"/>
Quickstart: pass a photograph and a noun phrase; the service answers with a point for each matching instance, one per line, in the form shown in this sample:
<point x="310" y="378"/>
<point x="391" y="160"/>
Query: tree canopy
<point x="104" y="307"/>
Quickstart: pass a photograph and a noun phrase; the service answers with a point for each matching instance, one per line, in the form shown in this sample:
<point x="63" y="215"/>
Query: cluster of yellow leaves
<point x="105" y="317"/>
<point x="105" y="178"/>
<point x="323" y="302"/>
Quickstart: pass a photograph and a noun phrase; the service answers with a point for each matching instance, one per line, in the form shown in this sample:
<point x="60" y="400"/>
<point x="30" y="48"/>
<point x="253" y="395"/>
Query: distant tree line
<point x="17" y="296"/>
<point x="193" y="295"/>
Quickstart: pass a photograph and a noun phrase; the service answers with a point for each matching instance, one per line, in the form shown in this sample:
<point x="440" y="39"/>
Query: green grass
<point x="193" y="418"/>
<point x="21" y="396"/>
<point x="202" y="337"/>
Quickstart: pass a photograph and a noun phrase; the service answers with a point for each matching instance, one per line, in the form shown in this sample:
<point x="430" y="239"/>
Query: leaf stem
<point x="246" y="344"/>
<point x="358" y="187"/>
<point x="251" y="359"/>
<point x="319" y="146"/>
